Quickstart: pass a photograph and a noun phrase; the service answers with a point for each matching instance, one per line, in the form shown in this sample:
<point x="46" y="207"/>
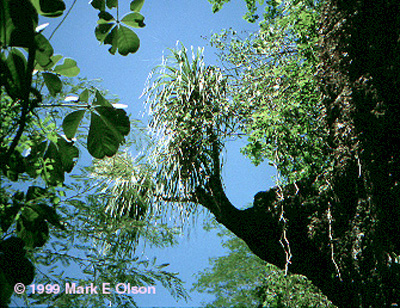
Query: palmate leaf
<point x="108" y="126"/>
<point x="121" y="38"/>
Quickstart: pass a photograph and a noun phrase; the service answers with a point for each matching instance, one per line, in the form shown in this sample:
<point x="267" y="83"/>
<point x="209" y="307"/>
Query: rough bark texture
<point x="346" y="238"/>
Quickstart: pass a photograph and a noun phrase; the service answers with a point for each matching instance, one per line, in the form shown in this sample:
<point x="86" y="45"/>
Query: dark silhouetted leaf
<point x="48" y="213"/>
<point x="100" y="100"/>
<point x="107" y="130"/>
<point x="32" y="228"/>
<point x="49" y="8"/>
<point x="53" y="83"/>
<point x="112" y="3"/>
<point x="54" y="174"/>
<point x="112" y="39"/>
<point x="71" y="122"/>
<point x="103" y="30"/>
<point x="44" y="50"/>
<point x="36" y="193"/>
<point x="68" y="154"/>
<point x="99" y="4"/>
<point x="16" y="65"/>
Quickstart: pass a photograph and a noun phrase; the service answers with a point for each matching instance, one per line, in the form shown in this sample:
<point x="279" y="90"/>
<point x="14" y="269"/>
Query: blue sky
<point x="167" y="21"/>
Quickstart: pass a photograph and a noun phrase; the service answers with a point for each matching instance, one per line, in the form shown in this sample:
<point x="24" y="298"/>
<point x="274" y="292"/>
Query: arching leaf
<point x="100" y="100"/>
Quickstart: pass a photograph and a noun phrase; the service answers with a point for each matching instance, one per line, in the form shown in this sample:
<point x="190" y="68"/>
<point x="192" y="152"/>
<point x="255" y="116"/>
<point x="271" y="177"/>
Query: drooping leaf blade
<point x="68" y="154"/>
<point x="108" y="126"/>
<point x="71" y="123"/>
<point x="53" y="83"/>
<point x="44" y="50"/>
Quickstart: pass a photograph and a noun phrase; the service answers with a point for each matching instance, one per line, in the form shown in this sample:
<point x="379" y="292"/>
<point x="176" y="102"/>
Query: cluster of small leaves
<point x="116" y="32"/>
<point x="189" y="118"/>
<point x="104" y="248"/>
<point x="281" y="291"/>
<point x="240" y="279"/>
<point x="251" y="5"/>
<point x="272" y="75"/>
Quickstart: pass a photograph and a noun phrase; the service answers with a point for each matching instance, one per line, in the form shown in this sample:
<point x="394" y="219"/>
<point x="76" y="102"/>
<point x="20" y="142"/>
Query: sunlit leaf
<point x="84" y="96"/>
<point x="68" y="68"/>
<point x="128" y="41"/>
<point x="136" y="5"/>
<point x="100" y="100"/>
<point x="134" y="20"/>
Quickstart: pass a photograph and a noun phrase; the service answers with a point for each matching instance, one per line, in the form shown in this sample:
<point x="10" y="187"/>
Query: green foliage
<point x="251" y="5"/>
<point x="39" y="163"/>
<point x="272" y="76"/>
<point x="113" y="193"/>
<point x="190" y="119"/>
<point x="240" y="279"/>
<point x="110" y="30"/>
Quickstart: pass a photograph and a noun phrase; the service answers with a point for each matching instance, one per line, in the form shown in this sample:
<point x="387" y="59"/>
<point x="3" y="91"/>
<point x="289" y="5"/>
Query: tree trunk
<point x="346" y="239"/>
